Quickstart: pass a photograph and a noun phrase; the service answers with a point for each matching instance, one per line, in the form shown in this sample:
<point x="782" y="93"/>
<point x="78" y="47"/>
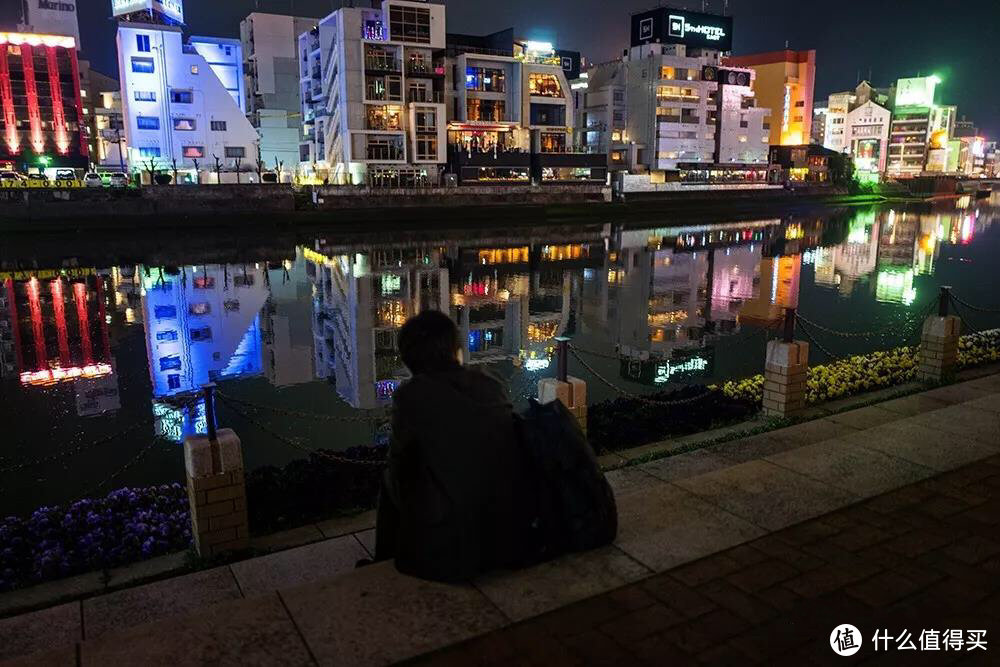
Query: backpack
<point x="569" y="504"/>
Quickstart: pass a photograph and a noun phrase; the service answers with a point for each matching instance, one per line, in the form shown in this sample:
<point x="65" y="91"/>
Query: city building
<point x="867" y="137"/>
<point x="684" y="111"/>
<point x="370" y="107"/>
<point x="804" y="164"/>
<point x="41" y="104"/>
<point x="921" y="129"/>
<point x="511" y="113"/>
<point x="46" y="17"/>
<point x="273" y="101"/>
<point x="818" y="134"/>
<point x="183" y="103"/>
<point x="102" y="115"/>
<point x="785" y="83"/>
<point x="601" y="113"/>
<point x="837" y="108"/>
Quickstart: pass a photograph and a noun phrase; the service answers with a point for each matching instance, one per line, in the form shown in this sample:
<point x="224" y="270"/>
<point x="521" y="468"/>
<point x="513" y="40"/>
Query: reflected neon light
<point x="50" y="376"/>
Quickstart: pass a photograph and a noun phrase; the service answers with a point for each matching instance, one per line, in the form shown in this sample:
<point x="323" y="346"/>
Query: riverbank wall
<point x="271" y="205"/>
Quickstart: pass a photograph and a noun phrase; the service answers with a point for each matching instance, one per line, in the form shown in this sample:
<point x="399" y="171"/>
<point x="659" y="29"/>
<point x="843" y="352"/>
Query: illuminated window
<point x="172" y="363"/>
<point x="166" y="336"/>
<point x="484" y="79"/>
<point x="194" y="152"/>
<point x="486" y="110"/>
<point x="204" y="308"/>
<point x="384" y="118"/>
<point x="142" y="65"/>
<point x="165" y="312"/>
<point x="145" y="96"/>
<point x="185" y="124"/>
<point x="194" y="69"/>
<point x="142" y="43"/>
<point x="149" y="151"/>
<point x="544" y="85"/>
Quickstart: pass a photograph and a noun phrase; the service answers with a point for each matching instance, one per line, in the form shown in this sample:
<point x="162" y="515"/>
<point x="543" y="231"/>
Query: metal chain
<point x="67" y="453"/>
<point x="296" y="413"/>
<point x="977" y="309"/>
<point x="812" y="339"/>
<point x="861" y="334"/>
<point x="118" y="473"/>
<point x="294" y="444"/>
<point x="623" y="392"/>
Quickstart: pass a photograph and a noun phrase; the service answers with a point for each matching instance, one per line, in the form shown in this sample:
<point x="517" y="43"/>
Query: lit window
<point x="194" y="69"/>
<point x="194" y="152"/>
<point x="147" y="122"/>
<point x="544" y="85"/>
<point x="143" y="65"/>
<point x="142" y="43"/>
<point x="185" y="124"/>
<point x="149" y="151"/>
<point x="200" y="308"/>
<point x="145" y="96"/>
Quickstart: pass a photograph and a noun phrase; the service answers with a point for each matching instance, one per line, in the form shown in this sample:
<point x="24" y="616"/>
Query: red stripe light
<point x="7" y="100"/>
<point x="55" y="87"/>
<point x="31" y="90"/>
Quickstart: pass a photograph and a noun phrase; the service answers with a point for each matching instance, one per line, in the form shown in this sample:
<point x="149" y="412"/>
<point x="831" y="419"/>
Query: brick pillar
<point x="217" y="493"/>
<point x="938" y="348"/>
<point x="785" y="378"/>
<point x="572" y="393"/>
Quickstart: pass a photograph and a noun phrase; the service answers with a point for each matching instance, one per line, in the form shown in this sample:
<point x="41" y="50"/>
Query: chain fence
<point x="978" y="309"/>
<point x="73" y="451"/>
<point x="293" y="443"/>
<point x="299" y="414"/>
<point x="142" y="453"/>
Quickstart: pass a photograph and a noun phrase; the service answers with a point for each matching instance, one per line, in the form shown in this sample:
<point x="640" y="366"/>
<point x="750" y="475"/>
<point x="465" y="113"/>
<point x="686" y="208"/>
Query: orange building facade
<point x="785" y="84"/>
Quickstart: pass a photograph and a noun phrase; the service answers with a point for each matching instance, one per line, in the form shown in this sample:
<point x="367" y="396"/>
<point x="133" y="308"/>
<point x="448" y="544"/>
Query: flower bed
<point x="125" y="526"/>
<point x="867" y="372"/>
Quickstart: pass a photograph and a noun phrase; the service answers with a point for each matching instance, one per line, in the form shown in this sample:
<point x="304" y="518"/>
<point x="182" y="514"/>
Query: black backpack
<point x="568" y="504"/>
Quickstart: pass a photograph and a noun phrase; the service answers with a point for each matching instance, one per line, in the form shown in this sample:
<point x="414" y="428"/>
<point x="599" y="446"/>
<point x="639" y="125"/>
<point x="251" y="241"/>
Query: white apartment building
<point x="182" y="103"/>
<point x="682" y="113"/>
<point x="835" y="135"/>
<point x="867" y="136"/>
<point x="369" y="108"/>
<point x="272" y="73"/>
<point x="601" y="114"/>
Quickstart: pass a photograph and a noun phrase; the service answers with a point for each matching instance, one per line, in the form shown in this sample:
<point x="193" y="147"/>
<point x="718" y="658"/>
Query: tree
<point x="239" y="163"/>
<point x="841" y="168"/>
<point x="173" y="168"/>
<point x="218" y="168"/>
<point x="260" y="164"/>
<point x="197" y="172"/>
<point x="149" y="166"/>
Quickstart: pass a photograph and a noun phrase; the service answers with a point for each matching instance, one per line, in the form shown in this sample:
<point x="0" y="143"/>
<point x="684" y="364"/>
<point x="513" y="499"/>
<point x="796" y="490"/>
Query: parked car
<point x="38" y="179"/>
<point x="93" y="180"/>
<point x="65" y="175"/>
<point x="118" y="180"/>
<point x="11" y="177"/>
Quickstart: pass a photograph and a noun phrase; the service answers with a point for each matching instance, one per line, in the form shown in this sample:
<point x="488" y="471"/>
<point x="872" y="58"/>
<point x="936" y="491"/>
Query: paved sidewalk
<point x="722" y="553"/>
<point x="926" y="556"/>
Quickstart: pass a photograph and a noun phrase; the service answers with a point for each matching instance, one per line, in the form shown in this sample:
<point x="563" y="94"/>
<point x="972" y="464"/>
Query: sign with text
<point x="666" y="25"/>
<point x="54" y="17"/>
<point x="172" y="9"/>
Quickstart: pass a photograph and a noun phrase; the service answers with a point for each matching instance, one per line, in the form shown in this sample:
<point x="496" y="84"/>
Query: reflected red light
<point x="51" y="376"/>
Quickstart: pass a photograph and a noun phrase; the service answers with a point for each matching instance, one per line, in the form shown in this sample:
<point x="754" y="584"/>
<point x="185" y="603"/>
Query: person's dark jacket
<point x="453" y="474"/>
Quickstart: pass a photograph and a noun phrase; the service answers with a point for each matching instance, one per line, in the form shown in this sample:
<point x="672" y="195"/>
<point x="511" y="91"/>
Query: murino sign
<point x="672" y="26"/>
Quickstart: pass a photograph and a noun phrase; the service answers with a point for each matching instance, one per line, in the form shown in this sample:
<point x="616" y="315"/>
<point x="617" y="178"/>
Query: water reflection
<point x="317" y="324"/>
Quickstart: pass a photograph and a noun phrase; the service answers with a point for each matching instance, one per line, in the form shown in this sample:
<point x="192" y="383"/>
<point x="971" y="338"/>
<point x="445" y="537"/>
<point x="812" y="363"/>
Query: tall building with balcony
<point x="511" y="113"/>
<point x="785" y="83"/>
<point x="921" y="129"/>
<point x="684" y="111"/>
<point x="371" y="111"/>
<point x="601" y="114"/>
<point x="273" y="94"/>
<point x="182" y="102"/>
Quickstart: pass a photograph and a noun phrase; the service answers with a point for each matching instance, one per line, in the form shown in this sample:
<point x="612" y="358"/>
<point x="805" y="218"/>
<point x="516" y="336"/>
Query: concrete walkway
<point x="307" y="605"/>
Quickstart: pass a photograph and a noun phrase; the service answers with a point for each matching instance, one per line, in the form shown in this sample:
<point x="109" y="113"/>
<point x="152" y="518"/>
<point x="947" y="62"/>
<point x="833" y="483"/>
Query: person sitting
<point x="448" y="508"/>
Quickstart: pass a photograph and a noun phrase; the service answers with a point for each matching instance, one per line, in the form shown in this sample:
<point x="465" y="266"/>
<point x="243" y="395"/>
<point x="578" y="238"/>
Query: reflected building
<point x="202" y="324"/>
<point x="841" y="267"/>
<point x="361" y="300"/>
<point x="54" y="331"/>
<point x="287" y="345"/>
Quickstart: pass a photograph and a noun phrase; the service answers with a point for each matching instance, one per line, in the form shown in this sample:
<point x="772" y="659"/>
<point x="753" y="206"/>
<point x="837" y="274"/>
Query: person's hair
<point x="428" y="343"/>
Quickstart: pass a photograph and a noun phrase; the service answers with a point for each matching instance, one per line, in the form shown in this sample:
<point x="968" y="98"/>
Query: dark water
<point x="105" y="342"/>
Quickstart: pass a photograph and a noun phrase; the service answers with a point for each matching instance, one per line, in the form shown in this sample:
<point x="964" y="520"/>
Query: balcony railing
<point x="422" y="69"/>
<point x="382" y="63"/>
<point x="383" y="125"/>
<point x="425" y="96"/>
<point x="384" y="152"/>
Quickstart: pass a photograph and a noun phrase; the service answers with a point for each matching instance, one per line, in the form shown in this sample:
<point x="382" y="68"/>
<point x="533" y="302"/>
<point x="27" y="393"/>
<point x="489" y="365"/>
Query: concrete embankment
<point x="265" y="206"/>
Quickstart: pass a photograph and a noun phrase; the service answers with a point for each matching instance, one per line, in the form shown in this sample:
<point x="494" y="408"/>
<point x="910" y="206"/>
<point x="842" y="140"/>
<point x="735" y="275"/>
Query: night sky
<point x="891" y="39"/>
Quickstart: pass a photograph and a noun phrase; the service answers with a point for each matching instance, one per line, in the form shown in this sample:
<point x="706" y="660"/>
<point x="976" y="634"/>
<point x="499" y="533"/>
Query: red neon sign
<point x="50" y="376"/>
<point x="31" y="91"/>
<point x="7" y="100"/>
<point x="55" y="87"/>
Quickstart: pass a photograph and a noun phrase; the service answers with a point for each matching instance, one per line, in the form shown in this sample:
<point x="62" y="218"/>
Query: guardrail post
<point x="570" y="390"/>
<point x="216" y="485"/>
<point x="785" y="368"/>
<point x="938" y="354"/>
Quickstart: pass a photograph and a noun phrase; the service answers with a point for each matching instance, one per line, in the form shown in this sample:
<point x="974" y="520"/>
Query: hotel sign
<point x="673" y="26"/>
<point x="172" y="9"/>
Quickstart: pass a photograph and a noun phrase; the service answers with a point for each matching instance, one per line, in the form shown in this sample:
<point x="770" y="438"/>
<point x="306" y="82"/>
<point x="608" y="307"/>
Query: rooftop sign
<point x="172" y="9"/>
<point x="666" y="25"/>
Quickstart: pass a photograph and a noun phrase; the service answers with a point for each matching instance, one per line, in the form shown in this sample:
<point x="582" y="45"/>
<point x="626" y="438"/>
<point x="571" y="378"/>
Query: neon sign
<point x="50" y="376"/>
<point x="679" y="27"/>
